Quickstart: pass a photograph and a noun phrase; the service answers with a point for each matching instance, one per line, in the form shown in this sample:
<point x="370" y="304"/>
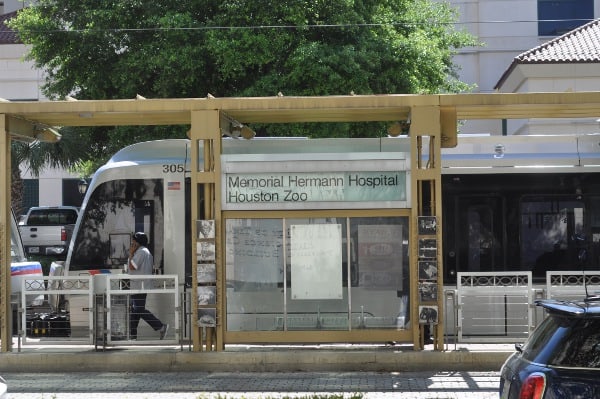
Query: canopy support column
<point x="5" y="258"/>
<point x="426" y="142"/>
<point x="205" y="136"/>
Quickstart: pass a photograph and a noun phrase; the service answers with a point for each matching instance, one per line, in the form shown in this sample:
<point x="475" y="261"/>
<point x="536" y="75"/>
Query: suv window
<point x="565" y="342"/>
<point x="580" y="345"/>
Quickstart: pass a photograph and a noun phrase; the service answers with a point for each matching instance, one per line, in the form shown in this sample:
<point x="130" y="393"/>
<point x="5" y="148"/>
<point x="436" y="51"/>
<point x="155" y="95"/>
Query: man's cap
<point x="141" y="238"/>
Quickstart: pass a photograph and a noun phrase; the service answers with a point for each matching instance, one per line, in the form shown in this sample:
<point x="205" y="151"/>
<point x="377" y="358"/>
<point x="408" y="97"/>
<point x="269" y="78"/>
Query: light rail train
<point x="510" y="203"/>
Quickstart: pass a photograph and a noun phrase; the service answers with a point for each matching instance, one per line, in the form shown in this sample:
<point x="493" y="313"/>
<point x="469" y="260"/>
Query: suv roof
<point x="590" y="307"/>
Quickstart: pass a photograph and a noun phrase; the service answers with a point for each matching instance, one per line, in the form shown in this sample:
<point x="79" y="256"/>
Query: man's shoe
<point x="163" y="331"/>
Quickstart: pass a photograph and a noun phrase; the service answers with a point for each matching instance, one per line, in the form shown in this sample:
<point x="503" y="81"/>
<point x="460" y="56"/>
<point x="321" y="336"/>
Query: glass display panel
<point x="316" y="261"/>
<point x="380" y="246"/>
<point x="254" y="274"/>
<point x="317" y="298"/>
<point x="340" y="274"/>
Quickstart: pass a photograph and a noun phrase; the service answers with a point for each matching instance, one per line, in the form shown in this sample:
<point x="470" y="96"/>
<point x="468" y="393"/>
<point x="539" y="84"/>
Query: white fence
<point x="53" y="322"/>
<point x="95" y="310"/>
<point x="494" y="307"/>
<point x="112" y="308"/>
<point x="572" y="285"/>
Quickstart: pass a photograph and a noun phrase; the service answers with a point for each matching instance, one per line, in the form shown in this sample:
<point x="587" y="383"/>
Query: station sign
<point x="335" y="189"/>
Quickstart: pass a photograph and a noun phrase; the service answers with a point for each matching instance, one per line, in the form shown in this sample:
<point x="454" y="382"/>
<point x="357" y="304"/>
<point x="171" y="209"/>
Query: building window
<point x="557" y="17"/>
<point x="70" y="193"/>
<point x="31" y="193"/>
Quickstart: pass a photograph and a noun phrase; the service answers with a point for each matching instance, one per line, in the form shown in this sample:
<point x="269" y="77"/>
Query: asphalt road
<point x="194" y="385"/>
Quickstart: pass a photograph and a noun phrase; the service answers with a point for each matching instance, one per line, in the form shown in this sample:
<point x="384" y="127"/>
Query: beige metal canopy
<point x="21" y="129"/>
<point x="303" y="109"/>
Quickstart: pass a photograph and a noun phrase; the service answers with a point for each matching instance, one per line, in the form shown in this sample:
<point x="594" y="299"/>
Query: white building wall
<point x="13" y="5"/>
<point x="19" y="79"/>
<point x="50" y="184"/>
<point x="506" y="28"/>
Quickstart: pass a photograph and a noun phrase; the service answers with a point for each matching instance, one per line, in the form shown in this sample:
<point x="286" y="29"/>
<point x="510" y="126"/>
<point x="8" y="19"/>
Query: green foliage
<point x="74" y="145"/>
<point x="116" y="49"/>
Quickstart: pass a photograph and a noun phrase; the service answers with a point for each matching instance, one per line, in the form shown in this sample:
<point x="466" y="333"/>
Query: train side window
<point x="548" y="229"/>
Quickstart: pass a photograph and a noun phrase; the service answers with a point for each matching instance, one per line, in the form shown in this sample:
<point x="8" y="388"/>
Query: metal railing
<point x="95" y="310"/>
<point x="51" y="320"/>
<point x="494" y="307"/>
<point x="571" y="285"/>
<point x="113" y="299"/>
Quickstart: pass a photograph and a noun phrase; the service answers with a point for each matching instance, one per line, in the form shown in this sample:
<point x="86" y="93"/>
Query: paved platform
<point x="248" y="358"/>
<point x="218" y="385"/>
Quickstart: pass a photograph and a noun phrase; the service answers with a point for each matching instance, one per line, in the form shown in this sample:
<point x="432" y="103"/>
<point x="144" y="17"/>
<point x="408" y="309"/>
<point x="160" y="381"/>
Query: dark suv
<point x="561" y="359"/>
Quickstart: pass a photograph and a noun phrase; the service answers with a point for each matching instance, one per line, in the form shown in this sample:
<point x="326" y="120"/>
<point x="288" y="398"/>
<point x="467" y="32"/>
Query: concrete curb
<point x="251" y="361"/>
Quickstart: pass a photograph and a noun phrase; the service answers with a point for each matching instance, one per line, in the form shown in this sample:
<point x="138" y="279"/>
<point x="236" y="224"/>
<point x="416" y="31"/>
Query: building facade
<point x="567" y="63"/>
<point x="508" y="28"/>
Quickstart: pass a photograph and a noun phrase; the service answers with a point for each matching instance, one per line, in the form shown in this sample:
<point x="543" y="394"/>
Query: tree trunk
<point x="17" y="191"/>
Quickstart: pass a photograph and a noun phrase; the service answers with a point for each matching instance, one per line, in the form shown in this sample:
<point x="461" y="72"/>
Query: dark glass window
<point x="548" y="230"/>
<point x="52" y="217"/>
<point x="541" y="338"/>
<point x="565" y="342"/>
<point x="557" y="17"/>
<point x="580" y="346"/>
<point x="114" y="211"/>
<point x="31" y="194"/>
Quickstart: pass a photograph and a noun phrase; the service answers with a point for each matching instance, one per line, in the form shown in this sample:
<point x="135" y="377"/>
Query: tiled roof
<point x="7" y="36"/>
<point x="581" y="45"/>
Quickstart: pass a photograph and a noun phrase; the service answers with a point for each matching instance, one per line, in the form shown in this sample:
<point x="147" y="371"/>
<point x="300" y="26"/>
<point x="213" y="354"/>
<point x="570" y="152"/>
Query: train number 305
<point x="173" y="168"/>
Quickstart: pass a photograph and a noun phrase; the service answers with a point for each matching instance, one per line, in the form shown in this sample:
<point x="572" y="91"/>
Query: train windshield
<point x="114" y="211"/>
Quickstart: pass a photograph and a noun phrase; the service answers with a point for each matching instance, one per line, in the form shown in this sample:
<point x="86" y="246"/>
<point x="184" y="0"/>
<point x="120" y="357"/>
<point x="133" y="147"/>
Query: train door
<point x="476" y="242"/>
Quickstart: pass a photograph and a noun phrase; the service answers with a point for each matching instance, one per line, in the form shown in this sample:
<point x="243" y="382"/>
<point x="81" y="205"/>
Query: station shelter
<point x="335" y="242"/>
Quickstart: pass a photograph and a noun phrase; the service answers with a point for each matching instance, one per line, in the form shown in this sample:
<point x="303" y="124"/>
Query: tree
<point x="68" y="153"/>
<point x="184" y="48"/>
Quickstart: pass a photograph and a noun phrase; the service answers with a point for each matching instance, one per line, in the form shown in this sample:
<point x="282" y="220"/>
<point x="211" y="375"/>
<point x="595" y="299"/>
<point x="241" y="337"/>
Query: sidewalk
<point x="193" y="385"/>
<point x="249" y="358"/>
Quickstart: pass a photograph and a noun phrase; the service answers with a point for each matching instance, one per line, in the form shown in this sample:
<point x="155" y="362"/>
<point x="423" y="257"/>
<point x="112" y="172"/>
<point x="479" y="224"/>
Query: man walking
<point x="141" y="263"/>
